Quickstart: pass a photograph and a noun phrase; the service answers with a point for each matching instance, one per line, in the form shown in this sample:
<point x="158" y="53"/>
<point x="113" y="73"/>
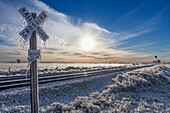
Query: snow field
<point x="16" y="99"/>
<point x="141" y="90"/>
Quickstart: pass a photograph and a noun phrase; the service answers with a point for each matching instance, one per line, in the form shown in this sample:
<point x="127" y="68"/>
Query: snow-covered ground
<point x="141" y="90"/>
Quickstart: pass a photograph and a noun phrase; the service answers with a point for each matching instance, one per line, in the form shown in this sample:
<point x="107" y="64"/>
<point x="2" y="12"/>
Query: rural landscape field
<point x="86" y="56"/>
<point x="137" y="90"/>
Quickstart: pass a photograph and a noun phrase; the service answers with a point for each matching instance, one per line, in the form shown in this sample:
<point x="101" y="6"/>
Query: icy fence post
<point x="33" y="74"/>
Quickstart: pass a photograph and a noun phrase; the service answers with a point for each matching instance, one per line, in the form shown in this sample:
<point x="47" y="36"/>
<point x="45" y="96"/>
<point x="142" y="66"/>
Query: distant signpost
<point x="29" y="33"/>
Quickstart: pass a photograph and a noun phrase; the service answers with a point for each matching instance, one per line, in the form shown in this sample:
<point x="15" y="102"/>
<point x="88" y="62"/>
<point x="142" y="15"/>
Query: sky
<point x="89" y="30"/>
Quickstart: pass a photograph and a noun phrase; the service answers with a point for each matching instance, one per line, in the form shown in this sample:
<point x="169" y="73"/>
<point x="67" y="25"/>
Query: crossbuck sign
<point x="33" y="24"/>
<point x="29" y="33"/>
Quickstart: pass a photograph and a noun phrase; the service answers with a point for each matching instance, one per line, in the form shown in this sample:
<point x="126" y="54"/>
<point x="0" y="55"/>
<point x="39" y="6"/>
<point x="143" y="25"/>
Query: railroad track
<point x="20" y="81"/>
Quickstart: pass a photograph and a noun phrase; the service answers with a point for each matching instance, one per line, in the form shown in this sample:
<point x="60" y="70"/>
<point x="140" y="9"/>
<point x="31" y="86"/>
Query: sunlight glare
<point x="87" y="44"/>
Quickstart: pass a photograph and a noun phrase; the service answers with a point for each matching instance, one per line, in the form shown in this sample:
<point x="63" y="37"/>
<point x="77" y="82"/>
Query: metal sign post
<point x="33" y="54"/>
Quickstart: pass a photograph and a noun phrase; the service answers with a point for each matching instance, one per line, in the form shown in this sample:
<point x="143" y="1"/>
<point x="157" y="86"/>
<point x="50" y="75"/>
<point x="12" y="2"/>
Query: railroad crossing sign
<point x="29" y="33"/>
<point x="33" y="24"/>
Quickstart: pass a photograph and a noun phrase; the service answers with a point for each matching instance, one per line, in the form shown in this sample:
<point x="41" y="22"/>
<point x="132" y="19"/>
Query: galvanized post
<point x="34" y="75"/>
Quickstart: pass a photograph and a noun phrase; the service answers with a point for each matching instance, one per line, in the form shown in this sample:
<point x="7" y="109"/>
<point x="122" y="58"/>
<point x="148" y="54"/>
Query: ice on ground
<point x="141" y="90"/>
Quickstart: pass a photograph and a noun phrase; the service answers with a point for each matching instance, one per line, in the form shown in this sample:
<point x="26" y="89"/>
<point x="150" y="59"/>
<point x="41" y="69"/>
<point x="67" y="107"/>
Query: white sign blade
<point x="26" y="32"/>
<point x="26" y="14"/>
<point x="40" y="19"/>
<point x="42" y="34"/>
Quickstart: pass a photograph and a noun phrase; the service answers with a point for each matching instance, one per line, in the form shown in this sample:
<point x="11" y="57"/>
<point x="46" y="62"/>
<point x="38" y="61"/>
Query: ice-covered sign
<point x="33" y="24"/>
<point x="33" y="55"/>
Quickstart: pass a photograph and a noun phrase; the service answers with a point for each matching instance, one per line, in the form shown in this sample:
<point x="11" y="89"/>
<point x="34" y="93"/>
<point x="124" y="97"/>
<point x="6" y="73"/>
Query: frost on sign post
<point x="29" y="33"/>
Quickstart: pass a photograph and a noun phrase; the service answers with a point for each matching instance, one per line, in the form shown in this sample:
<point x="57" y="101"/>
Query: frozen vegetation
<point x="141" y="90"/>
<point x="13" y="69"/>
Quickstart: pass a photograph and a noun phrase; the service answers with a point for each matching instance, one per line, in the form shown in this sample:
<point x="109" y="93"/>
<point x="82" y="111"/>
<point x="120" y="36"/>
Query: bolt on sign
<point x="33" y="24"/>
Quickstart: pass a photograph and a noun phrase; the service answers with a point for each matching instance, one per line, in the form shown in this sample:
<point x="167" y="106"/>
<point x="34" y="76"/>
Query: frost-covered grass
<point x="63" y="92"/>
<point x="141" y="90"/>
<point x="13" y="69"/>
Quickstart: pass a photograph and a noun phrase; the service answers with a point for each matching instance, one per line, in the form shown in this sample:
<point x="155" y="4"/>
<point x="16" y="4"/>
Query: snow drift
<point x="146" y="90"/>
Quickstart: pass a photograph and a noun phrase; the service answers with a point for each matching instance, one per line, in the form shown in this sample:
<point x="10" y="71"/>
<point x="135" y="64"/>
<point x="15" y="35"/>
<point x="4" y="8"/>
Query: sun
<point x="87" y="44"/>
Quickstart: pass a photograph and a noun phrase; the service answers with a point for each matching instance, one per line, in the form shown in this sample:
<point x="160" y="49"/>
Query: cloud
<point x="128" y="35"/>
<point x="139" y="45"/>
<point x="94" y="26"/>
